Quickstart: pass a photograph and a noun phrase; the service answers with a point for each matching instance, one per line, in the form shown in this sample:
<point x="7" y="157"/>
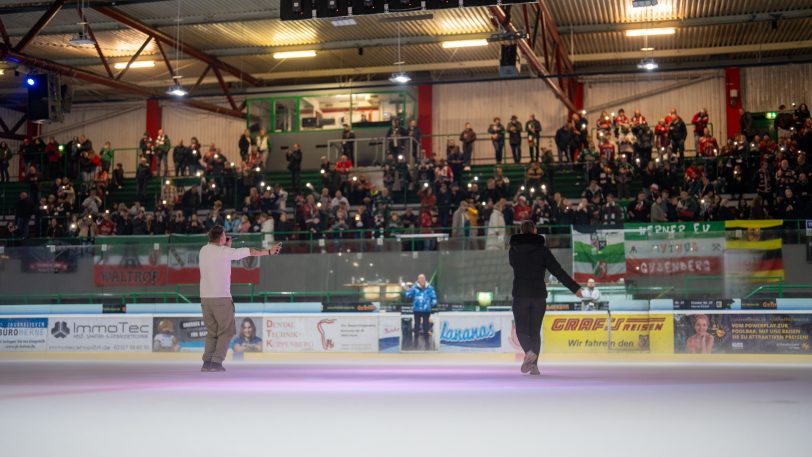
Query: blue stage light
<point x="30" y="81"/>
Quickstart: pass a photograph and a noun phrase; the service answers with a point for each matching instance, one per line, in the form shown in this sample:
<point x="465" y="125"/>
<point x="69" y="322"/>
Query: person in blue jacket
<point x="423" y="298"/>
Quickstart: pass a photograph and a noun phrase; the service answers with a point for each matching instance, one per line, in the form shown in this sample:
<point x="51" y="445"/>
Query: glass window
<point x="325" y="112"/>
<point x="285" y="114"/>
<point x="378" y="110"/>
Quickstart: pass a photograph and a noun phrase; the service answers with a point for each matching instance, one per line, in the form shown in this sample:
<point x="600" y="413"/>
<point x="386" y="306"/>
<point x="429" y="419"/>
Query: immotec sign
<point x="120" y="328"/>
<point x="100" y="334"/>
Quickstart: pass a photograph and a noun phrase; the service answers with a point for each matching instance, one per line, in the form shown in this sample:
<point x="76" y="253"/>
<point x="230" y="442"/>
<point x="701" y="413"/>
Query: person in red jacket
<point x="700" y="122"/>
<point x="661" y="134"/>
<point x="707" y="145"/>
<point x="622" y="124"/>
<point x="638" y="119"/>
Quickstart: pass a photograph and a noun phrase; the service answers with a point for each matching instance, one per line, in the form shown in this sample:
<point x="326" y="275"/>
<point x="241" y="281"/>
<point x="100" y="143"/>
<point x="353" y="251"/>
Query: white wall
<point x="479" y="102"/>
<point x="765" y="88"/>
<point x="182" y="123"/>
<point x="687" y="100"/>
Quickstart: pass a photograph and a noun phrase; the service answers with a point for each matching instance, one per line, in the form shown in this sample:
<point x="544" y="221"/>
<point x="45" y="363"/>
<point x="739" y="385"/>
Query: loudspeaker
<point x="509" y="64"/>
<point x="294" y="10"/>
<point x="44" y="98"/>
<point x="405" y="5"/>
<point x="332" y="8"/>
<point x="360" y="7"/>
<point x="67" y="98"/>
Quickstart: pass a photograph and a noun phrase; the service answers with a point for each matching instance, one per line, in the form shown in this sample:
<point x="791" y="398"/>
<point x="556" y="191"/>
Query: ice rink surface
<point x="402" y="407"/>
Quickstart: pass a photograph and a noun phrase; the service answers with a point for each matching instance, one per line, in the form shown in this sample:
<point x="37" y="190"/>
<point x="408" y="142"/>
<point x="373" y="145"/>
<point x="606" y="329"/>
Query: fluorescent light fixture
<point x="2" y="72"/>
<point x="293" y="54"/>
<point x="643" y="3"/>
<point x="136" y="64"/>
<point x="400" y="78"/>
<point x="177" y="90"/>
<point x="464" y="43"/>
<point x="646" y="49"/>
<point x="648" y="65"/>
<point x="651" y="32"/>
<point x="344" y="22"/>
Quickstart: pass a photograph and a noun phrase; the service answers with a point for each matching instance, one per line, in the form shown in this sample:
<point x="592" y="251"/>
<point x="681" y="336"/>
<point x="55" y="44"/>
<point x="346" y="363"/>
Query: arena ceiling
<point x="229" y="45"/>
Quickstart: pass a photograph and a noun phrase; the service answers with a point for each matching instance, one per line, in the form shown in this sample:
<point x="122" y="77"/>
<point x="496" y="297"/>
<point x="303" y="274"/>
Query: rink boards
<point x="564" y="332"/>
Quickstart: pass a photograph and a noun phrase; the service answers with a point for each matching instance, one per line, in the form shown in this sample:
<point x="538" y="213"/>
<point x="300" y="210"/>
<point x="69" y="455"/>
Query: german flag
<point x="753" y="250"/>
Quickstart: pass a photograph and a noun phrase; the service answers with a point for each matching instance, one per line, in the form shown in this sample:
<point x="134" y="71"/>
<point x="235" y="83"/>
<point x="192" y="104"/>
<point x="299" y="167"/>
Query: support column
<point x="154" y="119"/>
<point x="732" y="104"/>
<point x="424" y="116"/>
<point x="579" y="95"/>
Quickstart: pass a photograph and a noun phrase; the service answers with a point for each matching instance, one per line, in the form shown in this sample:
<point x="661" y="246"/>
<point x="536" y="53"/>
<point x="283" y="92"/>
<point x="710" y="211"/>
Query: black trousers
<point x="421" y="323"/>
<point x="528" y="314"/>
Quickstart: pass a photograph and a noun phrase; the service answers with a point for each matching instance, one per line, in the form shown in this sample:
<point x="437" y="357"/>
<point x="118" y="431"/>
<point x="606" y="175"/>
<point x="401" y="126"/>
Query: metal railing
<point x="373" y="151"/>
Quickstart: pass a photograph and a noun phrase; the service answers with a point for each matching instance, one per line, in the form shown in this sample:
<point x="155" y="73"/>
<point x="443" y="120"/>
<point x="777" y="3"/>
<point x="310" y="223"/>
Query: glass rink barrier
<point x="664" y="290"/>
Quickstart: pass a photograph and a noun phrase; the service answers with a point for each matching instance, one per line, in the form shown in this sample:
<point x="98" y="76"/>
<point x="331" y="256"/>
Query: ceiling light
<point x="643" y="3"/>
<point x="136" y="64"/>
<point x="464" y="43"/>
<point x="343" y="22"/>
<point x="293" y="54"/>
<point x="177" y="89"/>
<point x="651" y="32"/>
<point x="648" y="65"/>
<point x="80" y="39"/>
<point x="646" y="49"/>
<point x="2" y="72"/>
<point x="400" y="78"/>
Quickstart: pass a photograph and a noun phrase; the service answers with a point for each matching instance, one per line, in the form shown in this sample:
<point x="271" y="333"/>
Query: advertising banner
<point x="100" y="333"/>
<point x="598" y="253"/>
<point x="138" y="261"/>
<point x="389" y="330"/>
<point x="662" y="249"/>
<point x="56" y="257"/>
<point x="510" y="342"/>
<point x="24" y="334"/>
<point x="249" y="335"/>
<point x="588" y="332"/>
<point x="742" y="333"/>
<point x="179" y="334"/>
<point x="463" y="332"/>
<point x="324" y="333"/>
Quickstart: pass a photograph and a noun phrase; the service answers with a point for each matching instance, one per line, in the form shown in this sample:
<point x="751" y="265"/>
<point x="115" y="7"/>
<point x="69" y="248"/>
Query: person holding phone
<point x="215" y="293"/>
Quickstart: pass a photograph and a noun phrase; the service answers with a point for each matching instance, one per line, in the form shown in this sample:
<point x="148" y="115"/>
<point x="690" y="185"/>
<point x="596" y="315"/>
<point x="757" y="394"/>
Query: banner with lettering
<point x="675" y="248"/>
<point x="470" y="332"/>
<point x="734" y="333"/>
<point x="588" y="332"/>
<point x="138" y="261"/>
<point x="597" y="253"/>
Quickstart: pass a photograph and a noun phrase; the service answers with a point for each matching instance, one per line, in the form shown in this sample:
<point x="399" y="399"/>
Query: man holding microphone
<point x="215" y="293"/>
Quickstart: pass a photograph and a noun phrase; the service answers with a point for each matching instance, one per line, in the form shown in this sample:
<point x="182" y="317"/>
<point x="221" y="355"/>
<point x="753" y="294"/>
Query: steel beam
<point x="20" y="122"/>
<point x="166" y="59"/>
<point x="109" y="82"/>
<point x="159" y="36"/>
<point x="225" y="88"/>
<point x="133" y="58"/>
<point x="4" y="34"/>
<point x="530" y="56"/>
<point x="39" y="25"/>
<point x="201" y="78"/>
<point x="650" y="93"/>
<point x="95" y="42"/>
<point x="693" y="52"/>
<point x="691" y="22"/>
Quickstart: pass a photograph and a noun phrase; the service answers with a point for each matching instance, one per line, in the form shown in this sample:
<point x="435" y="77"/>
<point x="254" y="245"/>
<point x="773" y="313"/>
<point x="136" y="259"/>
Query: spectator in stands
<point x="181" y="159"/>
<point x="456" y="160"/>
<point x="623" y="175"/>
<point x="23" y="210"/>
<point x="33" y="177"/>
<point x="514" y="130"/>
<point x="395" y="137"/>
<point x="467" y="138"/>
<point x="581" y="128"/>
<point x="118" y="177"/>
<point x="244" y="144"/>
<point x="604" y="125"/>
<point x="343" y="169"/>
<point x="106" y="225"/>
<point x="262" y="145"/>
<point x="639" y="210"/>
<point x="92" y="203"/>
<point x="142" y="176"/>
<point x="677" y="132"/>
<point x="54" y="158"/>
<point x="687" y="207"/>
<point x="564" y="138"/>
<point x="496" y="229"/>
<point x="5" y="160"/>
<point x="139" y="223"/>
<point x="622" y="123"/>
<point x="415" y="136"/>
<point x="348" y="142"/>
<point x="611" y="213"/>
<point x="582" y="214"/>
<point x="190" y="201"/>
<point x="194" y="227"/>
<point x="785" y="177"/>
<point x="533" y="128"/>
<point x="497" y="132"/>
<point x="659" y="210"/>
<point x="460" y="224"/>
<point x="169" y="193"/>
<point x="178" y="223"/>
<point x="535" y="175"/>
<point x="158" y="225"/>
<point x="162" y="147"/>
<point x="700" y="122"/>
<point x="294" y="157"/>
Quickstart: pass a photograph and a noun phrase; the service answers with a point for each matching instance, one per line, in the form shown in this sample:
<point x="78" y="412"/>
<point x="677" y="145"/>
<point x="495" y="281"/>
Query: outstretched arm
<point x="263" y="252"/>
<point x="556" y="270"/>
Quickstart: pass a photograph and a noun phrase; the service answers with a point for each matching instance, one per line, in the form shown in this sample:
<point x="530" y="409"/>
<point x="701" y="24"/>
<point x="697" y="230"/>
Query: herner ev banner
<point x="678" y="248"/>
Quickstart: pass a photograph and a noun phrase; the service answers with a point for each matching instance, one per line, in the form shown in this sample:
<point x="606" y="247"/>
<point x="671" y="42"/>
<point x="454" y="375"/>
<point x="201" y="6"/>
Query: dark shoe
<point x="534" y="370"/>
<point x="206" y="366"/>
<point x="216" y="366"/>
<point x="529" y="359"/>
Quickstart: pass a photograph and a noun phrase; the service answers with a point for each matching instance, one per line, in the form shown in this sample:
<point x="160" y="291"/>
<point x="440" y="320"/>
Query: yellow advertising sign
<point x="569" y="333"/>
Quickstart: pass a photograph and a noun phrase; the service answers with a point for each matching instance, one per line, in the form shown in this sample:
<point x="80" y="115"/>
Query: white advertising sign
<point x="24" y="334"/>
<point x="117" y="333"/>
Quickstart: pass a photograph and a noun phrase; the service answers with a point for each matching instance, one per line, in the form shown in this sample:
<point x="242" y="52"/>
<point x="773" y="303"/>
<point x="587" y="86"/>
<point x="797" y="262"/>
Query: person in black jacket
<point x="294" y="156"/>
<point x="677" y="132"/>
<point x="530" y="259"/>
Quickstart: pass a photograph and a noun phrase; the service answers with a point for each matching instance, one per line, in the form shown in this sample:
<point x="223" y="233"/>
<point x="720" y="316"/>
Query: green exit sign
<point x="771" y="115"/>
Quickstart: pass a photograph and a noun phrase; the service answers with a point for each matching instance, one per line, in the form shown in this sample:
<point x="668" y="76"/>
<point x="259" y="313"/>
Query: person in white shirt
<point x="215" y="293"/>
<point x="591" y="296"/>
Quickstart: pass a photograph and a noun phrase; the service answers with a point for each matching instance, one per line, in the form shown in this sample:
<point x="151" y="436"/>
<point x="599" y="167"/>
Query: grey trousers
<point x="218" y="315"/>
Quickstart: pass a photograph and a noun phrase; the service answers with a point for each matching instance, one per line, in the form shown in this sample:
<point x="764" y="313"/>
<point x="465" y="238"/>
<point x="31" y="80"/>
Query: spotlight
<point x="31" y="81"/>
<point x="400" y="78"/>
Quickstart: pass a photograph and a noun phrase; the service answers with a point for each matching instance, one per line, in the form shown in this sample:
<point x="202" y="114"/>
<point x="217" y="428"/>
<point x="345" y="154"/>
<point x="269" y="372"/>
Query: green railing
<point x="93" y="298"/>
<point x="777" y="289"/>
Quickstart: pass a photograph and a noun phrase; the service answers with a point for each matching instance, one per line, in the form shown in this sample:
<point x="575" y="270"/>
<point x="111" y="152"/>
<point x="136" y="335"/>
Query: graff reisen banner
<point x="566" y="332"/>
